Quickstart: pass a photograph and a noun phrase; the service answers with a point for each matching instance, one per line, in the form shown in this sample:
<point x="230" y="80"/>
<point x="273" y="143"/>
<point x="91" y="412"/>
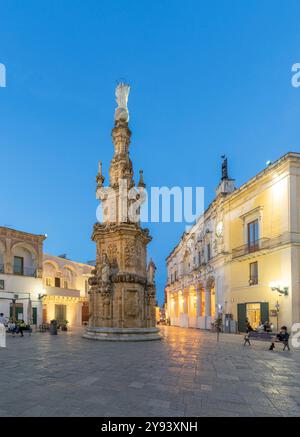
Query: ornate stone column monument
<point x="122" y="294"/>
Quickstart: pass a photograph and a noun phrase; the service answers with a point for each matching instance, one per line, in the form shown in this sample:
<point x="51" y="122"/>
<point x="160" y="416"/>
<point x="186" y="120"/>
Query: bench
<point x="16" y="331"/>
<point x="265" y="336"/>
<point x="44" y="327"/>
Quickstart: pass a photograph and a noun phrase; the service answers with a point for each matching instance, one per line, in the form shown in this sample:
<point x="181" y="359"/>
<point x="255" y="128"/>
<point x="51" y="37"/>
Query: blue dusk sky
<point x="207" y="78"/>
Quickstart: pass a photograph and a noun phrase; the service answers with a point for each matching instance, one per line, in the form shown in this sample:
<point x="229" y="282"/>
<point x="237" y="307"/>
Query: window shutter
<point x="264" y="311"/>
<point x="242" y="317"/>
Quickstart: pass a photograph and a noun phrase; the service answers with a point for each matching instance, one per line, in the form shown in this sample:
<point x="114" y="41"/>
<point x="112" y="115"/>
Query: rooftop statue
<point x="122" y="93"/>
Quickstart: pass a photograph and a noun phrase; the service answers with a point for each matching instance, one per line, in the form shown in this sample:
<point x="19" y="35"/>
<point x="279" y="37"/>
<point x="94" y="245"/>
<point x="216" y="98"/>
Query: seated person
<point x="11" y="327"/>
<point x="261" y="327"/>
<point x="282" y="336"/>
<point x="267" y="326"/>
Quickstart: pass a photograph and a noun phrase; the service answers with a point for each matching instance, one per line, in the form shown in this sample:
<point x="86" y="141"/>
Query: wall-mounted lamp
<point x="279" y="287"/>
<point x="41" y="296"/>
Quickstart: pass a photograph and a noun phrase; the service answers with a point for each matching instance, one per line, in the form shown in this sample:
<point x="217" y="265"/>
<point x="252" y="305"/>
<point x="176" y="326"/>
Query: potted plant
<point x="64" y="325"/>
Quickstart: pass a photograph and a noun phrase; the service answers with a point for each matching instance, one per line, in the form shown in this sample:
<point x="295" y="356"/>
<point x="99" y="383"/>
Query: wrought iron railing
<point x="251" y="247"/>
<point x="29" y="271"/>
<point x="266" y="243"/>
<point x="26" y="271"/>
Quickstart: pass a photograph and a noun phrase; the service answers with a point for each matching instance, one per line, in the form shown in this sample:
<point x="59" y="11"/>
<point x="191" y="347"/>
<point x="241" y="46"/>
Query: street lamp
<point x="279" y="287"/>
<point x="277" y="306"/>
<point x="281" y="290"/>
<point x="41" y="296"/>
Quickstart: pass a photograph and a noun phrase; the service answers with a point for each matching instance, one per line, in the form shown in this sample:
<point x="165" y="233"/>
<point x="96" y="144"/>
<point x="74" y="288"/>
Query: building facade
<point x="65" y="290"/>
<point x="36" y="287"/>
<point x="21" y="271"/>
<point x="242" y="257"/>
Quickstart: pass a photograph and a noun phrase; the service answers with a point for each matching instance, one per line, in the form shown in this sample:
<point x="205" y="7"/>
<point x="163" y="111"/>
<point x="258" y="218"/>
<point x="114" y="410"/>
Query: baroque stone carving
<point x="122" y="294"/>
<point x="129" y="254"/>
<point x="131" y="303"/>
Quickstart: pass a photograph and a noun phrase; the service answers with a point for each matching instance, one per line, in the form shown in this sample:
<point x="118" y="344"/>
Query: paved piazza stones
<point x="186" y="374"/>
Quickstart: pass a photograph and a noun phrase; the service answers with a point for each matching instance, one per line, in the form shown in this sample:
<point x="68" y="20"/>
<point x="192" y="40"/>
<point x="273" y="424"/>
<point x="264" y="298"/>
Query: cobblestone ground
<point x="186" y="374"/>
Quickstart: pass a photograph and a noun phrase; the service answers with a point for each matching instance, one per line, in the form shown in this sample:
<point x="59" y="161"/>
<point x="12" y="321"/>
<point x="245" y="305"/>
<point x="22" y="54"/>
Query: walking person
<point x="21" y="326"/>
<point x="248" y="330"/>
<point x="248" y="327"/>
<point x="3" y="319"/>
<point x="283" y="336"/>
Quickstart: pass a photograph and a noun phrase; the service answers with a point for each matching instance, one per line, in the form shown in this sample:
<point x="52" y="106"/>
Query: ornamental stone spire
<point x="122" y="296"/>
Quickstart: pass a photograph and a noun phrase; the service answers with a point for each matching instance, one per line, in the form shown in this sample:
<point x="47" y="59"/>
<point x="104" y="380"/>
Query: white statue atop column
<point x="122" y="93"/>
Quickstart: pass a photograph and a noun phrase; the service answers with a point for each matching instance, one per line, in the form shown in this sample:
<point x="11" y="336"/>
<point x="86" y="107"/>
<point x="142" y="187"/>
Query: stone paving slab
<point x="188" y="373"/>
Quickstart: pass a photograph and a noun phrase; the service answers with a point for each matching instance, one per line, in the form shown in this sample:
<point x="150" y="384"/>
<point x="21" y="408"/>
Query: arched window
<point x="24" y="260"/>
<point x="69" y="277"/>
<point x="50" y="270"/>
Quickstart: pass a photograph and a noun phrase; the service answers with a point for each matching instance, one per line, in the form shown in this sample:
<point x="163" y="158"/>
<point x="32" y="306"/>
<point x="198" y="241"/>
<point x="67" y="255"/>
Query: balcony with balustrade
<point x="265" y="244"/>
<point x="25" y="271"/>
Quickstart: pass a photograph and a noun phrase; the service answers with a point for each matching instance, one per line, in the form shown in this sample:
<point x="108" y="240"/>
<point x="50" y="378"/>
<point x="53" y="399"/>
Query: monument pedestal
<point x="122" y="334"/>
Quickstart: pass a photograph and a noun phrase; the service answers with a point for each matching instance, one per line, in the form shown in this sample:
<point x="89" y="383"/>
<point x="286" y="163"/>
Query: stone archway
<point x="50" y="269"/>
<point x="24" y="259"/>
<point x="69" y="277"/>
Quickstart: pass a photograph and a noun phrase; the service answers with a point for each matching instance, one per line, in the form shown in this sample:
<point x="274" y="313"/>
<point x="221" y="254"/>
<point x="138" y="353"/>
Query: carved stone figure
<point x="122" y="93"/>
<point x="106" y="307"/>
<point x="105" y="268"/>
<point x="151" y="273"/>
<point x="224" y="168"/>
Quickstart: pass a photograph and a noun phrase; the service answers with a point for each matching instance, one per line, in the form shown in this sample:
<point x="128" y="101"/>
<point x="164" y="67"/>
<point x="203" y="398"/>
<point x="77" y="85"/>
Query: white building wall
<point x="24" y="287"/>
